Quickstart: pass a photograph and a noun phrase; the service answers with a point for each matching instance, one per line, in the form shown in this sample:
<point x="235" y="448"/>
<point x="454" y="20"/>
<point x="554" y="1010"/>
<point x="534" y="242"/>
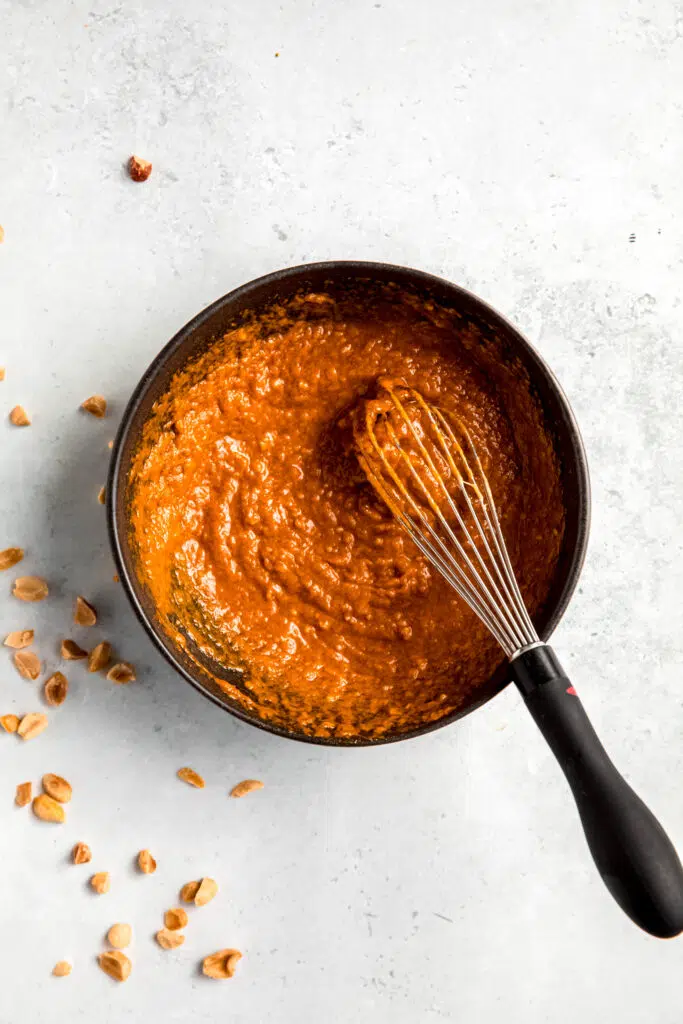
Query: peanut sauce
<point x="264" y="547"/>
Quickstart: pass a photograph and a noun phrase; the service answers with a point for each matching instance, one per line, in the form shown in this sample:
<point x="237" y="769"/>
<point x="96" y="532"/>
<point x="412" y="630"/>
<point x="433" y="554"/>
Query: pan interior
<point x="351" y="293"/>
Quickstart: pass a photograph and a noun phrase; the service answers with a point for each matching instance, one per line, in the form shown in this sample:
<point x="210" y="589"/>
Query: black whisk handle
<point x="635" y="857"/>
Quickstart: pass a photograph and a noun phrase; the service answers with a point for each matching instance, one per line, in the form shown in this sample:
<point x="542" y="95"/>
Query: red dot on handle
<point x="570" y="689"/>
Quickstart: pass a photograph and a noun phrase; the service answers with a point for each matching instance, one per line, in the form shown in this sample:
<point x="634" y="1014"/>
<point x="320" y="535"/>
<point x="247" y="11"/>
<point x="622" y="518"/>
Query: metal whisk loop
<point x="469" y="550"/>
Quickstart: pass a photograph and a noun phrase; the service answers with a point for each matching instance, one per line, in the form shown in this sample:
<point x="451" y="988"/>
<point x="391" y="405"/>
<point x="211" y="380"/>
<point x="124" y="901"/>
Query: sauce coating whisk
<point x="425" y="466"/>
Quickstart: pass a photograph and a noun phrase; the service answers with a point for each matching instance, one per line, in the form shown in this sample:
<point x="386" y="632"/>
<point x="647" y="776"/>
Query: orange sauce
<point x="263" y="545"/>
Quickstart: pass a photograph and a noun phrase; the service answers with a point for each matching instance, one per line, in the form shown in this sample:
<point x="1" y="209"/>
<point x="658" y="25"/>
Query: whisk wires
<point x="427" y="470"/>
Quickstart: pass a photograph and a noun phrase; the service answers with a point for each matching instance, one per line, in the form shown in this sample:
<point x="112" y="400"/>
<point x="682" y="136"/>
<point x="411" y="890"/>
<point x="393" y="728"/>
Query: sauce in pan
<point x="263" y="546"/>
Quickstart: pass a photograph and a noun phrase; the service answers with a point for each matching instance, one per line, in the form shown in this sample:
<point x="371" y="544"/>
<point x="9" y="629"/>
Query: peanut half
<point x="19" y="639"/>
<point x="192" y="777"/>
<point x="119" y="936"/>
<point x="57" y="787"/>
<point x="70" y="651"/>
<point x="47" y="809"/>
<point x="221" y="964"/>
<point x="121" y="673"/>
<point x="99" y="657"/>
<point x="84" y="613"/>
<point x="96" y="405"/>
<point x="116" y="964"/>
<point x="100" y="882"/>
<point x="189" y="891"/>
<point x="168" y="939"/>
<point x="19" y="417"/>
<point x="146" y="862"/>
<point x="10" y="557"/>
<point x="23" y="794"/>
<point x="56" y="689"/>
<point x="32" y="725"/>
<point x="206" y="892"/>
<point x="81" y="853"/>
<point x="175" y="919"/>
<point x="247" y="786"/>
<point x="27" y="664"/>
<point x="30" y="588"/>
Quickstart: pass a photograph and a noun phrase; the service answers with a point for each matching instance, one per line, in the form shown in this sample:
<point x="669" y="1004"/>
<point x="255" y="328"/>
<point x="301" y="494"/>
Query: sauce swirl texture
<point x="263" y="546"/>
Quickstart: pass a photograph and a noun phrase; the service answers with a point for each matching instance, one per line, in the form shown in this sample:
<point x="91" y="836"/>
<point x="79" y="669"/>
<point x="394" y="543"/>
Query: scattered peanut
<point x="57" y="787"/>
<point x="19" y="639"/>
<point x="84" y="613"/>
<point x="206" y="892"/>
<point x="189" y="891"/>
<point x="146" y="862"/>
<point x="56" y="689"/>
<point x="139" y="169"/>
<point x="61" y="969"/>
<point x="19" y="417"/>
<point x="102" y="495"/>
<point x="100" y="882"/>
<point x="30" y="588"/>
<point x="10" y="557"/>
<point x="121" y="673"/>
<point x="81" y="853"/>
<point x="119" y="936"/>
<point x="115" y="964"/>
<point x="10" y="723"/>
<point x="27" y="664"/>
<point x="192" y="778"/>
<point x="221" y="964"/>
<point x="23" y="794"/>
<point x="96" y="405"/>
<point x="168" y="939"/>
<point x="32" y="725"/>
<point x="99" y="657"/>
<point x="70" y="651"/>
<point x="247" y="786"/>
<point x="47" y="809"/>
<point x="175" y="919"/>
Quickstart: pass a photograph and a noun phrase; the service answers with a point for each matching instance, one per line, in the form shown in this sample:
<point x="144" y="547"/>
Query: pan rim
<point x="116" y="527"/>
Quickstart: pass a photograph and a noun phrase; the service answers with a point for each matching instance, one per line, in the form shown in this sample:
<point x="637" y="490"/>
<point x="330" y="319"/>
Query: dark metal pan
<point x="342" y="279"/>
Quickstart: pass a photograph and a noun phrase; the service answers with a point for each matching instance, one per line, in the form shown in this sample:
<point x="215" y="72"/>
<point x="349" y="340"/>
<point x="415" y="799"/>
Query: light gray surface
<point x="513" y="147"/>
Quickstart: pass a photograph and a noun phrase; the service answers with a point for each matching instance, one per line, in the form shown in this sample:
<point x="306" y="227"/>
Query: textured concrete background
<point x="529" y="151"/>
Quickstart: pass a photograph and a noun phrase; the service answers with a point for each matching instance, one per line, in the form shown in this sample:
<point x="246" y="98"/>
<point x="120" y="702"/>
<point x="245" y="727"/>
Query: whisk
<point x="425" y="466"/>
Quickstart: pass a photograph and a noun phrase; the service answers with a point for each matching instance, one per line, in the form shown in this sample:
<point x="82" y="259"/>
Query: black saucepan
<point x="633" y="854"/>
<point x="340" y="279"/>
